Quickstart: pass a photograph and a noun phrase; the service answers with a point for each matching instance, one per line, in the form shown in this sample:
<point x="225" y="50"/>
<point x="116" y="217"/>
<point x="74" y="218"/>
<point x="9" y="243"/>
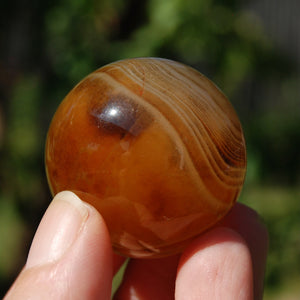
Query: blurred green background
<point x="250" y="49"/>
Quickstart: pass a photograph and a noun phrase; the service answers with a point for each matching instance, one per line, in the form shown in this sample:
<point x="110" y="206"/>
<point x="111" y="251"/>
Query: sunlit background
<point x="250" y="49"/>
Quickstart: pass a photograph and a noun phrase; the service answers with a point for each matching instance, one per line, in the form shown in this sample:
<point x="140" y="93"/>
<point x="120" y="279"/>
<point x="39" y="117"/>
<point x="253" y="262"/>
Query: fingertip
<point x="90" y="262"/>
<point x="71" y="255"/>
<point x="149" y="279"/>
<point x="249" y="224"/>
<point x="217" y="265"/>
<point x="58" y="229"/>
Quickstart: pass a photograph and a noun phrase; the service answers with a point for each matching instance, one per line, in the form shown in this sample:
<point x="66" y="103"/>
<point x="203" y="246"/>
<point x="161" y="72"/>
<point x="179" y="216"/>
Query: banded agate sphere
<point x="154" y="146"/>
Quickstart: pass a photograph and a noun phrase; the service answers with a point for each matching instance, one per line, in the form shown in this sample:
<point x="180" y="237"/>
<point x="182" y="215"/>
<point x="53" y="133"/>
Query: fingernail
<point x="58" y="229"/>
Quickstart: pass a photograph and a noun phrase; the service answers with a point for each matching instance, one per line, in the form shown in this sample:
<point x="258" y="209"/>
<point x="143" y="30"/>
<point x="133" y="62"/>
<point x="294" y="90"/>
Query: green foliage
<point x="12" y="233"/>
<point x="276" y="140"/>
<point x="280" y="210"/>
<point x="23" y="133"/>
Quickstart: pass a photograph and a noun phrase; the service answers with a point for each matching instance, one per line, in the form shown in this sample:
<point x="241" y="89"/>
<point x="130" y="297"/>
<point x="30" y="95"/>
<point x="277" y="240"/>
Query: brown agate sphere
<point x="155" y="147"/>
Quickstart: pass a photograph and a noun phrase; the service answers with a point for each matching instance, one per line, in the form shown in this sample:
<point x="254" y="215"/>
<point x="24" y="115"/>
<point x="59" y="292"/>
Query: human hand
<point x="71" y="258"/>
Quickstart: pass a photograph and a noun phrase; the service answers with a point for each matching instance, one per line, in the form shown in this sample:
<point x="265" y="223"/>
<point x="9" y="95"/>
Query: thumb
<point x="70" y="256"/>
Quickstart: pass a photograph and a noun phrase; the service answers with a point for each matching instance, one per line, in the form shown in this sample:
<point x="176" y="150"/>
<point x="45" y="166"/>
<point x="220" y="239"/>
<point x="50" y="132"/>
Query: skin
<point x="71" y="258"/>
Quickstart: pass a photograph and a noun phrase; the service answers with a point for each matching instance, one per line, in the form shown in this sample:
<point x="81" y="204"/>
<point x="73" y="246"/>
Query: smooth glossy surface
<point x="154" y="146"/>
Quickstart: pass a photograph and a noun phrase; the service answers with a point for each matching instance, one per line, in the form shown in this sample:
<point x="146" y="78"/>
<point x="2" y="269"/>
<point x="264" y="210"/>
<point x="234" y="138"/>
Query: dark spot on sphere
<point x="120" y="115"/>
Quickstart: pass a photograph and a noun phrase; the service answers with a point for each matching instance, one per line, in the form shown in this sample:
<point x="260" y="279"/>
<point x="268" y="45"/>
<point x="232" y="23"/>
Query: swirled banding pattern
<point x="155" y="146"/>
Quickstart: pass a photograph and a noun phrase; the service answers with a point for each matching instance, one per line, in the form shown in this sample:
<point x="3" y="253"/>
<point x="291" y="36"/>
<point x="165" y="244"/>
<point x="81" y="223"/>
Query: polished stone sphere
<point x="155" y="147"/>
